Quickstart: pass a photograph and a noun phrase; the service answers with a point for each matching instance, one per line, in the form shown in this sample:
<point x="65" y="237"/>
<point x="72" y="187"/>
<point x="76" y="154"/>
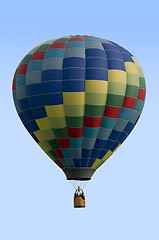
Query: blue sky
<point x="122" y="198"/>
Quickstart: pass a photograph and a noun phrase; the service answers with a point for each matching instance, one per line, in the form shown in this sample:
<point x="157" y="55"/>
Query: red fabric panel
<point x="22" y="69"/>
<point x="141" y="95"/>
<point x="112" y="112"/>
<point x="13" y="85"/>
<point x="76" y="39"/>
<point x="93" y="122"/>
<point x="63" y="143"/>
<point x="129" y="102"/>
<point x="59" y="153"/>
<point x="75" y="132"/>
<point x="57" y="45"/>
<point x="58" y="161"/>
<point x="38" y="55"/>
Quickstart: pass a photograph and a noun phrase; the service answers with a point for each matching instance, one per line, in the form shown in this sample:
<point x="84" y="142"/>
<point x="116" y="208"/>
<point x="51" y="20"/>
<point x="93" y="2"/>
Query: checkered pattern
<point x="79" y="97"/>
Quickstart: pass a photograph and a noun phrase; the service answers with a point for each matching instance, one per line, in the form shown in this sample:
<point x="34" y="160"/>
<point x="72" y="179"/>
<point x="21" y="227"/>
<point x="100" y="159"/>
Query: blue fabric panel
<point x="34" y="137"/>
<point x="96" y="62"/>
<point x="20" y="80"/>
<point x="127" y="57"/>
<point x="102" y="154"/>
<point x="116" y="64"/>
<point x="91" y="162"/>
<point x="33" y="126"/>
<point x="34" y="66"/>
<point x="52" y="87"/>
<point x="73" y="62"/>
<point x="94" y="52"/>
<point x="53" y="74"/>
<point x="75" y="142"/>
<point x="67" y="152"/>
<point x="28" y="115"/>
<point x="75" y="44"/>
<point x="85" y="162"/>
<point x="53" y="99"/>
<point x="86" y="39"/>
<point x="77" y="162"/>
<point x="108" y="144"/>
<point x="113" y="54"/>
<point x="33" y="89"/>
<point x="23" y="103"/>
<point x="39" y="112"/>
<point x="22" y="118"/>
<point x="108" y="122"/>
<point x="139" y="105"/>
<point x="74" y="86"/>
<point x="90" y="132"/>
<point x="74" y="73"/>
<point x="122" y="137"/>
<point x="95" y="153"/>
<point x="125" y="113"/>
<point x="96" y="74"/>
<point x="99" y="144"/>
<point x="54" y="53"/>
<point x="121" y="49"/>
<point x="114" y="135"/>
<point x="114" y="146"/>
<point x="110" y="46"/>
<point x="36" y="101"/>
<point x="28" y="127"/>
<point x="128" y="127"/>
<point x="86" y="153"/>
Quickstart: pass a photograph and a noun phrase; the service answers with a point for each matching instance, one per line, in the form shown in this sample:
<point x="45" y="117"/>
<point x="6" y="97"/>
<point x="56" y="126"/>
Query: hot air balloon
<point x="79" y="97"/>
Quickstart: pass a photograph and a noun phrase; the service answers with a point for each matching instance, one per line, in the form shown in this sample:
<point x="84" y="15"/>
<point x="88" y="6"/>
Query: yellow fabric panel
<point x="39" y="135"/>
<point x="43" y="123"/>
<point x="55" y="111"/>
<point x="107" y="155"/>
<point x="116" y="76"/>
<point x="130" y="67"/>
<point x="96" y="86"/>
<point x="139" y="69"/>
<point x="74" y="97"/>
<point x="97" y="161"/>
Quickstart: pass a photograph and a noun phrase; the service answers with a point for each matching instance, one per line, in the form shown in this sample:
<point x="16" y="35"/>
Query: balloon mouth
<point x="80" y="174"/>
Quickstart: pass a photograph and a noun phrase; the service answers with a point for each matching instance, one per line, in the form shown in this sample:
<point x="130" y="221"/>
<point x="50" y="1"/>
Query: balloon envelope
<point x="79" y="97"/>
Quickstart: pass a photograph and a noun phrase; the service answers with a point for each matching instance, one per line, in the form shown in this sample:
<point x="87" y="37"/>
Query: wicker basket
<point x="79" y="202"/>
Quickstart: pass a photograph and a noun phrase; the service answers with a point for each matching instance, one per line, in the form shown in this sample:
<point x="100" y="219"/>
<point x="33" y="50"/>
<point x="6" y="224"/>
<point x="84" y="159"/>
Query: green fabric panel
<point x="26" y="59"/>
<point x="57" y="122"/>
<point x="95" y="98"/>
<point x="132" y="91"/>
<point x="46" y="145"/>
<point x="61" y="133"/>
<point x="132" y="79"/>
<point x="74" y="121"/>
<point x="53" y="155"/>
<point x="43" y="47"/>
<point x="48" y="134"/>
<point x="62" y="40"/>
<point x="116" y="88"/>
<point x="53" y="143"/>
<point x="115" y="100"/>
<point x="74" y="110"/>
<point x="142" y="83"/>
<point x="94" y="111"/>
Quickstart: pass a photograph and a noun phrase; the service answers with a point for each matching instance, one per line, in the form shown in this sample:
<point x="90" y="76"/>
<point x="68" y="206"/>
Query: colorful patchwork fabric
<point x="79" y="97"/>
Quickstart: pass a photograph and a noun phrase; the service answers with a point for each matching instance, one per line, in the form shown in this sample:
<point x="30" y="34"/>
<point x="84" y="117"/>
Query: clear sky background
<point x="36" y="201"/>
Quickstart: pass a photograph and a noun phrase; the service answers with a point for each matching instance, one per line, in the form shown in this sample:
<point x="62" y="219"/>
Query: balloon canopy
<point x="79" y="97"/>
